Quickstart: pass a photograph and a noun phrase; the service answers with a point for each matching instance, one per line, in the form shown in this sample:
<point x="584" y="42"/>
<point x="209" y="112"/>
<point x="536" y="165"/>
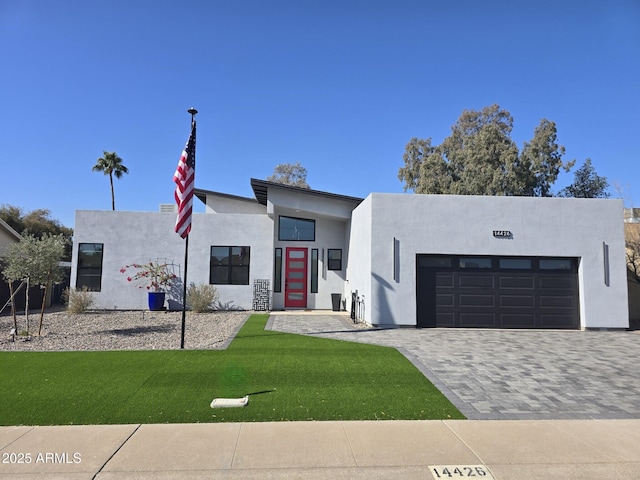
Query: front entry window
<point x="296" y="229"/>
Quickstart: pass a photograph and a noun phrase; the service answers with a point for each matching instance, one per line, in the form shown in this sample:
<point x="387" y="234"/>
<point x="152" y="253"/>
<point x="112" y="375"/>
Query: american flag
<point x="184" y="178"/>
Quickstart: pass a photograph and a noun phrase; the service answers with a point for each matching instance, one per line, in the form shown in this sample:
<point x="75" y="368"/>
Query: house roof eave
<point x="261" y="191"/>
<point x="10" y="230"/>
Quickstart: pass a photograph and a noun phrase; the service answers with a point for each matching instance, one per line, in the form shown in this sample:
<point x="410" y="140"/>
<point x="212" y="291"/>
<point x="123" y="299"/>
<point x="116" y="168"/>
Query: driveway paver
<point x="508" y="374"/>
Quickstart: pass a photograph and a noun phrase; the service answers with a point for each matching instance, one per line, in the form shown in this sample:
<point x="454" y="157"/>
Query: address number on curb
<point x="461" y="471"/>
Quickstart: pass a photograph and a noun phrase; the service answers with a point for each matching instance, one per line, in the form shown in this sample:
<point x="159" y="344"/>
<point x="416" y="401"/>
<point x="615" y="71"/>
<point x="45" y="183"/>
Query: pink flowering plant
<point x="155" y="276"/>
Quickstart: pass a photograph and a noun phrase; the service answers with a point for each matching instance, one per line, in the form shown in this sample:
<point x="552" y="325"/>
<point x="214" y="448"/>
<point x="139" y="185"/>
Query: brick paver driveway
<point x="509" y="374"/>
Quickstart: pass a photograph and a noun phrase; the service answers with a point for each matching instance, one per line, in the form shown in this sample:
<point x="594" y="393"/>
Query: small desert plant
<point x="200" y="298"/>
<point x="78" y="300"/>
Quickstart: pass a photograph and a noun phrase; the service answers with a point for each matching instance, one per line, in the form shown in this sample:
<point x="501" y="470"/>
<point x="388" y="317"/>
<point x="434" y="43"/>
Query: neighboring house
<point x="7" y="236"/>
<point x="414" y="260"/>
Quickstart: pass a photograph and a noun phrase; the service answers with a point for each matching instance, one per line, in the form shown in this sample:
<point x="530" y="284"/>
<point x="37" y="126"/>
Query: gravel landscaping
<point x="121" y="330"/>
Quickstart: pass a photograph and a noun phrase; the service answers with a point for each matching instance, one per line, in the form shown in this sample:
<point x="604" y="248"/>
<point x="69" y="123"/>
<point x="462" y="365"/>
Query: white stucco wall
<point x="217" y="203"/>
<point x="139" y="237"/>
<point x="359" y="268"/>
<point x="444" y="224"/>
<point x="312" y="204"/>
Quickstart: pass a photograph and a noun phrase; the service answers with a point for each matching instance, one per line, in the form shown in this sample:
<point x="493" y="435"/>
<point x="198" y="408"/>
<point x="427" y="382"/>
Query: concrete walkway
<point x="567" y="449"/>
<point x="508" y="374"/>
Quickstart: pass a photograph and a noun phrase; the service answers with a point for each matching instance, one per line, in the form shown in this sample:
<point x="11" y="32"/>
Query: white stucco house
<point x="409" y="260"/>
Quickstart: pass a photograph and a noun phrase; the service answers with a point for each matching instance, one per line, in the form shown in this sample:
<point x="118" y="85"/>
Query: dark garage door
<point x="496" y="292"/>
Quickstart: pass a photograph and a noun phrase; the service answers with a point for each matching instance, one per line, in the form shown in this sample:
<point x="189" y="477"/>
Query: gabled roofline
<point x="10" y="229"/>
<point x="261" y="189"/>
<point x="202" y="196"/>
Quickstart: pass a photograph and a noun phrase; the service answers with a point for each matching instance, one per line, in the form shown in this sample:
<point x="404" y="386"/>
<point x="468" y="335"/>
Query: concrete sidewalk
<point x="505" y="449"/>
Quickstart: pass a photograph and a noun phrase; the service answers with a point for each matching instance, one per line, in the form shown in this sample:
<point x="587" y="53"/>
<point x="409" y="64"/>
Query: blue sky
<point x="340" y="86"/>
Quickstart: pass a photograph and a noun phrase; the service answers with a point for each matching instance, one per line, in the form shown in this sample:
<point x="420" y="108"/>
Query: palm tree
<point x="111" y="164"/>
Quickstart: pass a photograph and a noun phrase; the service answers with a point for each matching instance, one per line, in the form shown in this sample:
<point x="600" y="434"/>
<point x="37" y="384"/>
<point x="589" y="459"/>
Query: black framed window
<point x="334" y="259"/>
<point x="434" y="262"/>
<point x="296" y="229"/>
<point x="515" y="263"/>
<point x="556" y="264"/>
<point x="314" y="270"/>
<point x="229" y="265"/>
<point x="474" y="262"/>
<point x="89" y="271"/>
<point x="277" y="272"/>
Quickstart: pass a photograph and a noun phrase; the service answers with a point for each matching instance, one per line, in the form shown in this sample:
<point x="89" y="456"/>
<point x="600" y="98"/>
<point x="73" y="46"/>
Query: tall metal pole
<point x="193" y="112"/>
<point x="184" y="291"/>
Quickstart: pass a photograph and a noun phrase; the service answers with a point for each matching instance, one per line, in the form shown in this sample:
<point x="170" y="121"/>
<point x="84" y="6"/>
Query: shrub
<point x="78" y="300"/>
<point x="200" y="298"/>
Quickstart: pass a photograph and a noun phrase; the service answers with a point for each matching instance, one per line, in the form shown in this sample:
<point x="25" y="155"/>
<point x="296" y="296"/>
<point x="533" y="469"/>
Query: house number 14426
<point x="460" y="471"/>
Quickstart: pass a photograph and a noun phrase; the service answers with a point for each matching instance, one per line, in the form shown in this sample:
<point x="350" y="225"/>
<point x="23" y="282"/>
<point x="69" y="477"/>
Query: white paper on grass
<point x="230" y="402"/>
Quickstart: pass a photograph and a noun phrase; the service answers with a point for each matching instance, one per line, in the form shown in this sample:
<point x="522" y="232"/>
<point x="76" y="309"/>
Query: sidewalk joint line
<point x="353" y="455"/>
<point x="235" y="447"/>
<point x="477" y="455"/>
<point x="33" y="427"/>
<point x="116" y="451"/>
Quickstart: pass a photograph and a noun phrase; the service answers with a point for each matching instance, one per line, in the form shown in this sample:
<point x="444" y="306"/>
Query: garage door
<point x="497" y="292"/>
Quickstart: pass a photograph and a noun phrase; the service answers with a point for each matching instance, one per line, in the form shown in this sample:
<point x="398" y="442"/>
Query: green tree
<point x="13" y="216"/>
<point x="290" y="174"/>
<point x="37" y="262"/>
<point x="586" y="184"/>
<point x="37" y="223"/>
<point x="632" y="249"/>
<point x="111" y="164"/>
<point x="480" y="158"/>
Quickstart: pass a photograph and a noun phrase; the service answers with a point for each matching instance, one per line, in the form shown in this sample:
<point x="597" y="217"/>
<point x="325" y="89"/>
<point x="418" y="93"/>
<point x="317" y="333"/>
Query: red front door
<point x="295" y="278"/>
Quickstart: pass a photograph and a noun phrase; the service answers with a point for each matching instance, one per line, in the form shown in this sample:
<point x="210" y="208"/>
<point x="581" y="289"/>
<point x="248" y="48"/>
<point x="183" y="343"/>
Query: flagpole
<point x="193" y="112"/>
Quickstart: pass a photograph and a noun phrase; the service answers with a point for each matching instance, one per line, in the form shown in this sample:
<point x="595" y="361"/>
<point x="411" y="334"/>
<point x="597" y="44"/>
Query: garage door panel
<point x="444" y="299"/>
<point x="477" y="320"/>
<point x="444" y="280"/>
<point x="516" y="301"/>
<point x="476" y="281"/>
<point x="445" y="319"/>
<point x="465" y="300"/>
<point x="517" y="282"/>
<point x="556" y="282"/>
<point x="518" y="320"/>
<point x="517" y="292"/>
<point x="556" y="301"/>
<point x="556" y="321"/>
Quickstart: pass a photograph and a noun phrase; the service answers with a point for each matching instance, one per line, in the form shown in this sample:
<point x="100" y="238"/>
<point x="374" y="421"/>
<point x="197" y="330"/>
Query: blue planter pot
<point x="156" y="301"/>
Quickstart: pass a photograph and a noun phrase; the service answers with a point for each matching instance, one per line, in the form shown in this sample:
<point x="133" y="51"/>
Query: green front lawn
<point x="288" y="377"/>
